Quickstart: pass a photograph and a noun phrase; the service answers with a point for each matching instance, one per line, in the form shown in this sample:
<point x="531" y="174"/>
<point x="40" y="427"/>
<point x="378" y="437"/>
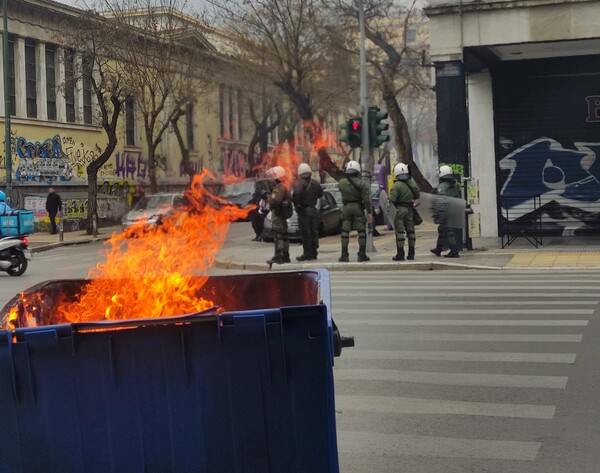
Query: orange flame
<point x="157" y="271"/>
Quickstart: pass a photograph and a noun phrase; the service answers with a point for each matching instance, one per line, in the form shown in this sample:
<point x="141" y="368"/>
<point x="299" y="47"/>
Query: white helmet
<point x="276" y="172"/>
<point x="401" y="171"/>
<point x="352" y="167"/>
<point x="304" y="169"/>
<point x="445" y="171"/>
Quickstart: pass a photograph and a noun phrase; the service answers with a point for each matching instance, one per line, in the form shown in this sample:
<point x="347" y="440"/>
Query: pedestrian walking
<point x="280" y="203"/>
<point x="53" y="207"/>
<point x="356" y="199"/>
<point x="307" y="192"/>
<point x="448" y="237"/>
<point x="5" y="209"/>
<point x="403" y="195"/>
<point x="258" y="218"/>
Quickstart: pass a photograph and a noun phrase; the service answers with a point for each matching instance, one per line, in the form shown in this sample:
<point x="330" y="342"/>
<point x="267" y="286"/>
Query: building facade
<point x="518" y="97"/>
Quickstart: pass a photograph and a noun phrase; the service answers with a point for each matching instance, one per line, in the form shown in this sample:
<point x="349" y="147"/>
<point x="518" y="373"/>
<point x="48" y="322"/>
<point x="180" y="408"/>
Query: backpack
<point x="287" y="209"/>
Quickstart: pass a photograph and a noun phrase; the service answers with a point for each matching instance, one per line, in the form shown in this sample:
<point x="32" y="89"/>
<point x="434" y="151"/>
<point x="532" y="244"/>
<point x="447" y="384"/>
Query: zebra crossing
<point x="459" y="371"/>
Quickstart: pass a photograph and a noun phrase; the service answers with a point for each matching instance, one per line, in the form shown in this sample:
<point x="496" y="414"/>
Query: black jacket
<point x="53" y="203"/>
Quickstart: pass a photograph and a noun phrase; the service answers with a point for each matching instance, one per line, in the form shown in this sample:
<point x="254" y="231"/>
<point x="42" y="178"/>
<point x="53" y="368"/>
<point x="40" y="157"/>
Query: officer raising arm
<point x="356" y="199"/>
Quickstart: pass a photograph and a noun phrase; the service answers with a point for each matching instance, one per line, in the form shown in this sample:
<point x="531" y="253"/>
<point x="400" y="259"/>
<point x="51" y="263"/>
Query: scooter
<point x="14" y="255"/>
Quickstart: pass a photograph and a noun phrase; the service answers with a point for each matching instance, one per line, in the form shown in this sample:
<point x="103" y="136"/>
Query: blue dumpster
<point x="247" y="390"/>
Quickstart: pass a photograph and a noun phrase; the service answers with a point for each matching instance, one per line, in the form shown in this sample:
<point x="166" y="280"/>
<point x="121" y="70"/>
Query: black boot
<point x="452" y="254"/>
<point x="362" y="255"/>
<point x="303" y="257"/>
<point x="345" y="257"/>
<point x="277" y="259"/>
<point x="286" y="257"/>
<point x="399" y="253"/>
<point x="437" y="251"/>
<point x="411" y="253"/>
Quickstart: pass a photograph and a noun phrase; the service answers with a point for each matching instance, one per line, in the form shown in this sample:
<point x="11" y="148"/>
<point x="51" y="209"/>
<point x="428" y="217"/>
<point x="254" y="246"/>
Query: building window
<point x="87" y="90"/>
<point x="230" y="135"/>
<point x="411" y="35"/>
<point x="12" y="91"/>
<point x="70" y="85"/>
<point x="189" y="127"/>
<point x="222" y="111"/>
<point x="129" y="122"/>
<point x="30" y="78"/>
<point x="51" y="81"/>
<point x="240" y="110"/>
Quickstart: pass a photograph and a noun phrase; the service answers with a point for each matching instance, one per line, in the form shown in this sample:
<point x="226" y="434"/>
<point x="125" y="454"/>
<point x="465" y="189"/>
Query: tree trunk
<point x="185" y="152"/>
<point x="403" y="140"/>
<point x="152" y="165"/>
<point x="92" y="172"/>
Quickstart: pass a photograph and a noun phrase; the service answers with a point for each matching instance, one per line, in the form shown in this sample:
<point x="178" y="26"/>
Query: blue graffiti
<point x="130" y="167"/>
<point x="42" y="162"/>
<point x="544" y="166"/>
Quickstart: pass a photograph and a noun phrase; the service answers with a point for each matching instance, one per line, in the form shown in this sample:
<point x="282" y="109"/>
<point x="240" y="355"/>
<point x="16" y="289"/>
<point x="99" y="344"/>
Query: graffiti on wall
<point x="234" y="162"/>
<point x="566" y="181"/>
<point x="42" y="161"/>
<point x="131" y="166"/>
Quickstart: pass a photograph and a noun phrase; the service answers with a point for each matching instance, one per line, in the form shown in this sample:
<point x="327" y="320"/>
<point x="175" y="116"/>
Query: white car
<point x="149" y="210"/>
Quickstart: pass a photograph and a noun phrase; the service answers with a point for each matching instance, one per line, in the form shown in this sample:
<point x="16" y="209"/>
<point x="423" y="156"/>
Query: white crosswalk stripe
<point x="407" y="326"/>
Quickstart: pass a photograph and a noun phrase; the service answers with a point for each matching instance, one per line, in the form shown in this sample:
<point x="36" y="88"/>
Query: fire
<point x="155" y="271"/>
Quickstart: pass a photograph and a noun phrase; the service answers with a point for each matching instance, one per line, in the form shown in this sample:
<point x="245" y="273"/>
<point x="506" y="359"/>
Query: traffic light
<point x="377" y="130"/>
<point x="354" y="129"/>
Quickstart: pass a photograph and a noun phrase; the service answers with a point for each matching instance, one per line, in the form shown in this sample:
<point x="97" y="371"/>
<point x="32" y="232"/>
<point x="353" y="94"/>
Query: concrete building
<point x="518" y="109"/>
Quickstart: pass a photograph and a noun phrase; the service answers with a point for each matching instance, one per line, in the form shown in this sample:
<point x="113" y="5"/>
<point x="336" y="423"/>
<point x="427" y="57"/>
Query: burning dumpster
<point x="246" y="389"/>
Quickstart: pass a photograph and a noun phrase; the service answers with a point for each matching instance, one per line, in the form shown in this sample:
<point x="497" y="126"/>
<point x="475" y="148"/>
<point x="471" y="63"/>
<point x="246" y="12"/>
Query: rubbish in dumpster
<point x="153" y="271"/>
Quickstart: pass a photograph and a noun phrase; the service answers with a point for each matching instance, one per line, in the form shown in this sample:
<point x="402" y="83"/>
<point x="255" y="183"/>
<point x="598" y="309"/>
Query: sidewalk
<point x="239" y="252"/>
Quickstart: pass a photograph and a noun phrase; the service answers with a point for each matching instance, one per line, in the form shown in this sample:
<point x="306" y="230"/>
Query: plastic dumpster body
<point x="248" y="390"/>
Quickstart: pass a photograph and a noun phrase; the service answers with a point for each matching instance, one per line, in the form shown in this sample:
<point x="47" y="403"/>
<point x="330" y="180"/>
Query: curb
<point x="50" y="246"/>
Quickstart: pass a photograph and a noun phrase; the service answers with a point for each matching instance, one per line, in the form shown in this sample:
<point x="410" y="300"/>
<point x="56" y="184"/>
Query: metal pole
<point x="364" y="112"/>
<point x="7" y="149"/>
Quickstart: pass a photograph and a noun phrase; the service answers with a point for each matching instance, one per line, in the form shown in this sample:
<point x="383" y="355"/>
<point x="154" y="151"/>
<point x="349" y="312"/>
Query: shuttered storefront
<point x="547" y="120"/>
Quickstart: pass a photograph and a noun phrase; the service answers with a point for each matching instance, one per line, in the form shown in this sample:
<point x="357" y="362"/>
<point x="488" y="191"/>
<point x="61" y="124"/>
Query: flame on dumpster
<point x="149" y="271"/>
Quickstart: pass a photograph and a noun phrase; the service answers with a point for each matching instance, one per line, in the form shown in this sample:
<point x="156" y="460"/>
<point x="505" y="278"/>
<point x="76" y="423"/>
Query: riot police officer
<point x="356" y="199"/>
<point x="306" y="193"/>
<point x="280" y="203"/>
<point x="403" y="195"/>
<point x="448" y="237"/>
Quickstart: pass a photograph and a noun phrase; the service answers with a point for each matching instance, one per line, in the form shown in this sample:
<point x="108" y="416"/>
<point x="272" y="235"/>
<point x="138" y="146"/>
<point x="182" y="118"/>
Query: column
<point x="61" y="107"/>
<point x="21" y="100"/>
<point x="78" y="89"/>
<point x="42" y="93"/>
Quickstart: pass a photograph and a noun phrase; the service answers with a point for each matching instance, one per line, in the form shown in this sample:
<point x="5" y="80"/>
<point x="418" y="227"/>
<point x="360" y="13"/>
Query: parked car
<point x="330" y="220"/>
<point x="245" y="193"/>
<point x="378" y="214"/>
<point x="151" y="209"/>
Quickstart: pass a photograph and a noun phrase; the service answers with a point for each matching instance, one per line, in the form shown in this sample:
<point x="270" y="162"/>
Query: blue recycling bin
<point x="19" y="222"/>
<point x="247" y="390"/>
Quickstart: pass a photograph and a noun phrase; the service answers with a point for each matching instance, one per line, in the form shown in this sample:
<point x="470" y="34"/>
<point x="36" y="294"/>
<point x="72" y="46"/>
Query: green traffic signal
<point x="354" y="130"/>
<point x="377" y="135"/>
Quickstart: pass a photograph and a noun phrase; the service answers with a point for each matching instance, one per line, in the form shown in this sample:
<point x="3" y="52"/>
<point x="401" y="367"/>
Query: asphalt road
<point x="466" y="371"/>
<point x="470" y="371"/>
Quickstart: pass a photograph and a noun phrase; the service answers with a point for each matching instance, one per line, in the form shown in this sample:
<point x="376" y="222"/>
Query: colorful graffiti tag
<point x="42" y="162"/>
<point x="567" y="181"/>
<point x="234" y="162"/>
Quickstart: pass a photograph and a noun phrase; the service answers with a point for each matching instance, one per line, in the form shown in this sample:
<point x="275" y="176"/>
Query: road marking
<point x="453" y="379"/>
<point x="404" y="405"/>
<point x="395" y="445"/>
<point x="475" y="302"/>
<point x="465" y="296"/>
<point x="464" y="311"/>
<point x="448" y="322"/>
<point x="358" y="354"/>
<point x="478" y="337"/>
<point x="409" y="287"/>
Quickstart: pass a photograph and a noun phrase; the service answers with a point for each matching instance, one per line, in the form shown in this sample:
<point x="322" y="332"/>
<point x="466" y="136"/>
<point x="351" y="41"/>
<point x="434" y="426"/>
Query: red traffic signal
<point x="355" y="125"/>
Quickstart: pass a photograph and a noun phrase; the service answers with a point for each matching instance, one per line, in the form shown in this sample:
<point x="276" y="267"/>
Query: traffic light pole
<point x="364" y="112"/>
<point x="6" y="102"/>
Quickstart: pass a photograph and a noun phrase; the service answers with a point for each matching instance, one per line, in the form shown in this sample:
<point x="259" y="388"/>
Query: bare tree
<point x="395" y="65"/>
<point x="286" y="43"/>
<point x="91" y="35"/>
<point x="168" y="58"/>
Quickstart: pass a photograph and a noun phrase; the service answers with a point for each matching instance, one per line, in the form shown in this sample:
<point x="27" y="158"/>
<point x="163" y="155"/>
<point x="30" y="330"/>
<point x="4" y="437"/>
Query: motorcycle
<point x="14" y="255"/>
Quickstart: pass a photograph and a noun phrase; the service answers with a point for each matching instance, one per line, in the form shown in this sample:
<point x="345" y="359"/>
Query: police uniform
<point x="402" y="194"/>
<point x="306" y="193"/>
<point x="448" y="238"/>
<point x="356" y="199"/>
<point x="279" y="197"/>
